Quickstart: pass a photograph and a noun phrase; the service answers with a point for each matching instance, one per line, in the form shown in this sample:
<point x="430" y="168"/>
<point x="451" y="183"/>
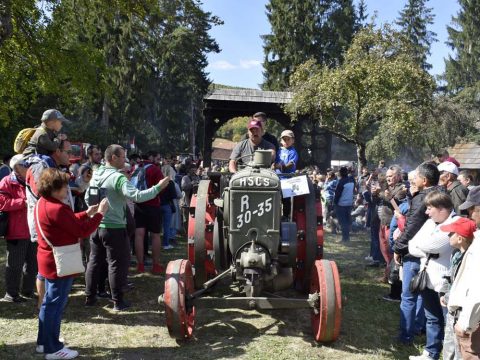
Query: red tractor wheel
<point x="318" y="208"/>
<point x="326" y="282"/>
<point x="200" y="251"/>
<point x="305" y="215"/>
<point x="178" y="285"/>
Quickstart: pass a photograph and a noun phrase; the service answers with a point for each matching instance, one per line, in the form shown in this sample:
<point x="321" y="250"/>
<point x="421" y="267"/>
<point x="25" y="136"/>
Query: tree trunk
<point x="6" y="27"/>
<point x="105" y="112"/>
<point x="361" y="158"/>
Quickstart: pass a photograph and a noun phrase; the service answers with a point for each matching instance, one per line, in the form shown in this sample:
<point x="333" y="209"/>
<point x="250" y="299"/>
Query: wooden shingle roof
<point x="468" y="155"/>
<point x="250" y="95"/>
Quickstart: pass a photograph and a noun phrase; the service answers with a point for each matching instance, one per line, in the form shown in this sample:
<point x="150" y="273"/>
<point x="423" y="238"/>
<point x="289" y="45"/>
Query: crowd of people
<point x="424" y="220"/>
<point x="420" y="222"/>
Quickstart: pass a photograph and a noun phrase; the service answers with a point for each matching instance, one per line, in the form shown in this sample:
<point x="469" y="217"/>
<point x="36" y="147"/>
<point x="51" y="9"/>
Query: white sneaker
<point x="39" y="349"/>
<point x="369" y="258"/>
<point x="64" y="353"/>
<point x="168" y="247"/>
<point x="425" y="356"/>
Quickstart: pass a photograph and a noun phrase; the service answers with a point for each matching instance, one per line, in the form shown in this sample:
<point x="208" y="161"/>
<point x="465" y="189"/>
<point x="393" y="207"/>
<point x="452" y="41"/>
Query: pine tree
<point x="413" y="21"/>
<point x="303" y="30"/>
<point x="362" y="16"/>
<point x="463" y="69"/>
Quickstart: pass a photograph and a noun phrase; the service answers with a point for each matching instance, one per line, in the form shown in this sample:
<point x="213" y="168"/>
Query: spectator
<point x="244" y="150"/>
<point x="426" y="181"/>
<point x="110" y="241"/>
<point x="466" y="179"/>
<point x="343" y="202"/>
<point x="21" y="252"/>
<point x="61" y="226"/>
<point x="47" y="138"/>
<point x="395" y="190"/>
<point x="147" y="216"/>
<point x="358" y="214"/>
<point x="36" y="165"/>
<point x="329" y="195"/>
<point x="464" y="300"/>
<point x="287" y="164"/>
<point x="445" y="156"/>
<point x="4" y="168"/>
<point x="167" y="209"/>
<point x="432" y="243"/>
<point x="373" y="221"/>
<point x="189" y="186"/>
<point x="461" y="233"/>
<point x="167" y="168"/>
<point x="448" y="179"/>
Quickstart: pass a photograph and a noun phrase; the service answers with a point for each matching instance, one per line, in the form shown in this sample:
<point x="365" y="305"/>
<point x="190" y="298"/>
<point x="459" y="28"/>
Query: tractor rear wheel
<point x="325" y="281"/>
<point x="178" y="285"/>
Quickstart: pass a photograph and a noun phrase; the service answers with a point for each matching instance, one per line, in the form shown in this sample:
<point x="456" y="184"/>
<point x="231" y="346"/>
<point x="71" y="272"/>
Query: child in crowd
<point x="462" y="334"/>
<point x="46" y="138"/>
<point x="287" y="159"/>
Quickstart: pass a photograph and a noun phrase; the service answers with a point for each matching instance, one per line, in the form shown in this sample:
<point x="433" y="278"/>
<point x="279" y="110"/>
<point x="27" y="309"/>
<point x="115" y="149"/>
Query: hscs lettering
<point x="254" y="181"/>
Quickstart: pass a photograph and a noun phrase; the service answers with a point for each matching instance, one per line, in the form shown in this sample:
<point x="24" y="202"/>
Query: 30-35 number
<point x="246" y="215"/>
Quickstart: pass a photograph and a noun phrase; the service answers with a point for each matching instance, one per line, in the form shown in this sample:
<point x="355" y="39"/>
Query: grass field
<point x="369" y="324"/>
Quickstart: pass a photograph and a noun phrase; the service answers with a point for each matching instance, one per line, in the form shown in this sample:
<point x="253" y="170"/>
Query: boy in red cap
<point x="463" y="298"/>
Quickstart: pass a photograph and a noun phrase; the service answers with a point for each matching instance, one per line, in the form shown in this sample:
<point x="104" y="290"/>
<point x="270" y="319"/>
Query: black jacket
<point x="416" y="217"/>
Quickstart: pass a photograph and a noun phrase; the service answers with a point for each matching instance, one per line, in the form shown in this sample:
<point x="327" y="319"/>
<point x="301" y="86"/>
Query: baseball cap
<point x="462" y="226"/>
<point x="287" y="133"/>
<point x="473" y="199"/>
<point x="260" y="114"/>
<point x="448" y="167"/>
<point x="53" y="114"/>
<point x="15" y="160"/>
<point x="254" y="124"/>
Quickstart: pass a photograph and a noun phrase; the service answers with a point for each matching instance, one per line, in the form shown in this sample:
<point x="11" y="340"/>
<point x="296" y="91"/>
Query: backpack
<point x="139" y="178"/>
<point x="22" y="139"/>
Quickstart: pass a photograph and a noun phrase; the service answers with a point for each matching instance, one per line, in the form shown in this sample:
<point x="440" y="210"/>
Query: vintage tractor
<point x="236" y="231"/>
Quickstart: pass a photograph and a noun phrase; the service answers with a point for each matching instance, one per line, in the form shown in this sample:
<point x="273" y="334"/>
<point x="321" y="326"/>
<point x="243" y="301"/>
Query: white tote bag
<point x="68" y="258"/>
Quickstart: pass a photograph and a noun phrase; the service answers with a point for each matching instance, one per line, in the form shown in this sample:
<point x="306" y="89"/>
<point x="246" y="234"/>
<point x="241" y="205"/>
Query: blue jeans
<point x="166" y="211"/>
<point x="435" y="322"/>
<point x="412" y="318"/>
<point x="51" y="311"/>
<point x="345" y="219"/>
<point x="375" y="252"/>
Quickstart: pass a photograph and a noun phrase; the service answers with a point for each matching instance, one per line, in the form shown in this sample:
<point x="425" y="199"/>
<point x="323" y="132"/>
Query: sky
<point x="240" y="61"/>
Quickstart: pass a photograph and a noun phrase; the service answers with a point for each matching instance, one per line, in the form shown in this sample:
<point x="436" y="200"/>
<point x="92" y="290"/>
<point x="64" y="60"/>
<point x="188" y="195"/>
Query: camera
<point x="95" y="195"/>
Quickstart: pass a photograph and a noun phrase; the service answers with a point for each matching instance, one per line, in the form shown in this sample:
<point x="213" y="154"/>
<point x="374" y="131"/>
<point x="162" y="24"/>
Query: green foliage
<point x="117" y="68"/>
<point x="377" y="96"/>
<point x="463" y="69"/>
<point x="235" y="129"/>
<point x="413" y="21"/>
<point x="303" y="30"/>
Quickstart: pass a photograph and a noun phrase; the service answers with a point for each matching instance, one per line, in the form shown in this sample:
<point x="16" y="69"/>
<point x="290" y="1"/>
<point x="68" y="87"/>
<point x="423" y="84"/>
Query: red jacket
<point x="153" y="175"/>
<point x="61" y="226"/>
<point x="13" y="200"/>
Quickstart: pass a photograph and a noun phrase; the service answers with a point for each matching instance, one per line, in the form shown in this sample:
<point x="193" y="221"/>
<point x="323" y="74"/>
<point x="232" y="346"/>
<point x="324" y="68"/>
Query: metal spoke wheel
<point x="200" y="250"/>
<point x="327" y="318"/>
<point x="305" y="215"/>
<point x="178" y="285"/>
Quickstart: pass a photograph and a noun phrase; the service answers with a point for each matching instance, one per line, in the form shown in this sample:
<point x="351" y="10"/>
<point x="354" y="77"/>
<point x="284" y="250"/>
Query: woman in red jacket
<point x="61" y="226"/>
<point x="21" y="252"/>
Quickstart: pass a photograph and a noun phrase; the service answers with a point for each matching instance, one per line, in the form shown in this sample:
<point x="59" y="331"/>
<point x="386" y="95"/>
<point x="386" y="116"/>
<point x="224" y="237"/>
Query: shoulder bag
<point x="419" y="281"/>
<point x="68" y="258"/>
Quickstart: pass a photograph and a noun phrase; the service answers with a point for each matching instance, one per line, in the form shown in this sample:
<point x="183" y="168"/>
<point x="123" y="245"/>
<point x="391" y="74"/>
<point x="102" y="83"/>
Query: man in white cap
<point x="21" y="252"/>
<point x="448" y="179"/>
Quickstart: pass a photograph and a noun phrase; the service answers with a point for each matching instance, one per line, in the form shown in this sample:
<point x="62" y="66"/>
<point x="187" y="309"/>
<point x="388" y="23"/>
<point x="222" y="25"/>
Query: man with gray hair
<point x="110" y="240"/>
<point x="448" y="179"/>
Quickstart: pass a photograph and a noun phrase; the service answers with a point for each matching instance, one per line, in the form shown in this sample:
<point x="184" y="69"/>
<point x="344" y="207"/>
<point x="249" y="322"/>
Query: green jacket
<point x="118" y="190"/>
